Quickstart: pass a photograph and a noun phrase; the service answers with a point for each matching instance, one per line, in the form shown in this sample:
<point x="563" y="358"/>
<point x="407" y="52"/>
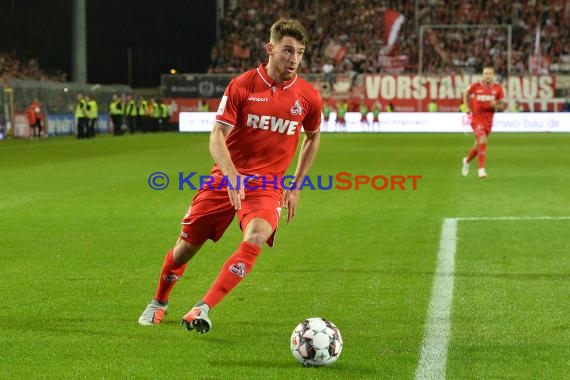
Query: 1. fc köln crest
<point x="296" y="109"/>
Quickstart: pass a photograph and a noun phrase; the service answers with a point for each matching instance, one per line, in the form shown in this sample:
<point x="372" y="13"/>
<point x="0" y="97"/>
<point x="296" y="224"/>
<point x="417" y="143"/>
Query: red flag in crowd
<point x="538" y="63"/>
<point x="392" y="24"/>
<point x="436" y="43"/>
<point x="239" y="51"/>
<point x="537" y="41"/>
<point x="335" y="51"/>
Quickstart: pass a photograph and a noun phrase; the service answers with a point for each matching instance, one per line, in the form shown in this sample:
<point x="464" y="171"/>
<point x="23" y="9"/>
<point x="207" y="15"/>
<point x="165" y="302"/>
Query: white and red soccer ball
<point x="316" y="342"/>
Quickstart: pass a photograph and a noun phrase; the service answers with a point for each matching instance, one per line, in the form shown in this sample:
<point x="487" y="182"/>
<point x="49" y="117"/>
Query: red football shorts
<point x="480" y="130"/>
<point x="211" y="213"/>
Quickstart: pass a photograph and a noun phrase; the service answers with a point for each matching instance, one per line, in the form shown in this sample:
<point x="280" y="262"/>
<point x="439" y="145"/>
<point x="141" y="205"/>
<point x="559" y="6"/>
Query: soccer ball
<point x="316" y="342"/>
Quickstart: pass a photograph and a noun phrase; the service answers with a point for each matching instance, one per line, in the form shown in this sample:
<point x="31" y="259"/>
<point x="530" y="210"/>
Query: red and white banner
<point x="412" y="93"/>
<point x="393" y="65"/>
<point x="452" y="86"/>
<point x="335" y="51"/>
<point x="392" y="24"/>
<point x="539" y="64"/>
<point x="535" y="65"/>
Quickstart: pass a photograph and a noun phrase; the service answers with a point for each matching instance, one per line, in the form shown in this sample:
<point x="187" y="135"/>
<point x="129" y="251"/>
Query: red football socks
<point x="471" y="155"/>
<point x="233" y="271"/>
<point x="170" y="274"/>
<point x="482" y="154"/>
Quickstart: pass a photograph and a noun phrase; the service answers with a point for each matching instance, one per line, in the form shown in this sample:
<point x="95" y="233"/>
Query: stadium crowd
<point x="14" y="68"/>
<point x="349" y="34"/>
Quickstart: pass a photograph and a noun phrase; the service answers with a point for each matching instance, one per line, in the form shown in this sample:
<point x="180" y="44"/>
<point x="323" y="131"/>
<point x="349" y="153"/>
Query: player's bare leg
<point x="172" y="269"/>
<point x="478" y="150"/>
<point x="184" y="251"/>
<point x="482" y="154"/>
<point x="466" y="162"/>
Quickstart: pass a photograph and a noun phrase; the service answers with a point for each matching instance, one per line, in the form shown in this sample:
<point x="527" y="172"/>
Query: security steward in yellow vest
<point x="92" y="114"/>
<point x="81" y="117"/>
<point x="131" y="113"/>
<point x="143" y="118"/>
<point x="154" y="109"/>
<point x="116" y="109"/>
<point x="164" y="116"/>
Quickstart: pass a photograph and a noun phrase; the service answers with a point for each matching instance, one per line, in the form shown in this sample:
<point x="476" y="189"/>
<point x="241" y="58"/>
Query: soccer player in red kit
<point x="482" y="99"/>
<point x="255" y="136"/>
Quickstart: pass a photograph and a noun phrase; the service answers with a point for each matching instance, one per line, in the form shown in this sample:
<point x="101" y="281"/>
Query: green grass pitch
<point x="83" y="237"/>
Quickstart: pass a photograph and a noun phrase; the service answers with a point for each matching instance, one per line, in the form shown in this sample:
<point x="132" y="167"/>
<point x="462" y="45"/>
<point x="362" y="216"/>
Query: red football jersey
<point x="266" y="119"/>
<point x="481" y="97"/>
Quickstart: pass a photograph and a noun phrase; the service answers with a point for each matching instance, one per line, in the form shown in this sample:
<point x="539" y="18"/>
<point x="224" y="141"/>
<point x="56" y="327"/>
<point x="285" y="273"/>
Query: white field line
<point x="438" y="325"/>
<point x="433" y="357"/>
<point x="475" y="218"/>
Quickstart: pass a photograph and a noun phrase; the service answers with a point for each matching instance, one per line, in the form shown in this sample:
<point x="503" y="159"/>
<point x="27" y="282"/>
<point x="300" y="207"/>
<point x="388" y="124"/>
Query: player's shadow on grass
<point x="269" y="364"/>
<point x="344" y="372"/>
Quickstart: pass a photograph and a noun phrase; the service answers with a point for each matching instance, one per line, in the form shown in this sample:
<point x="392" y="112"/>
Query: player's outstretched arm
<point x="221" y="155"/>
<point x="309" y="149"/>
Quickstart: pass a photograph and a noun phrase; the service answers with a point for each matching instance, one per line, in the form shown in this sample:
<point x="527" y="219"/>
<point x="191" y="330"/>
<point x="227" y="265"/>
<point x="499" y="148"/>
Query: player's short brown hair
<point x="289" y="28"/>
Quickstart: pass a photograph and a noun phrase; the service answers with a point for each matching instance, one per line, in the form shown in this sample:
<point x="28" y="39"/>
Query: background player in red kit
<point x="35" y="119"/>
<point x="482" y="99"/>
<point x="256" y="133"/>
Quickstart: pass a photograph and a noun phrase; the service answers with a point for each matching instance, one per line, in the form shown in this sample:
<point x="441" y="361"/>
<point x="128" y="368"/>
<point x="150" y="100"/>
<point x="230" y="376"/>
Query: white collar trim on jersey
<point x="269" y="84"/>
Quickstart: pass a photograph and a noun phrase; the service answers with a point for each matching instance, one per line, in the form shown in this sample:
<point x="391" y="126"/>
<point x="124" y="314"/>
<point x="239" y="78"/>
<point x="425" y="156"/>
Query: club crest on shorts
<point x="238" y="269"/>
<point x="296" y="109"/>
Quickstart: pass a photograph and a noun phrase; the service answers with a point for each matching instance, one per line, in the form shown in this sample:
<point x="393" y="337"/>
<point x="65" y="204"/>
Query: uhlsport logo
<point x="238" y="269"/>
<point x="257" y="99"/>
